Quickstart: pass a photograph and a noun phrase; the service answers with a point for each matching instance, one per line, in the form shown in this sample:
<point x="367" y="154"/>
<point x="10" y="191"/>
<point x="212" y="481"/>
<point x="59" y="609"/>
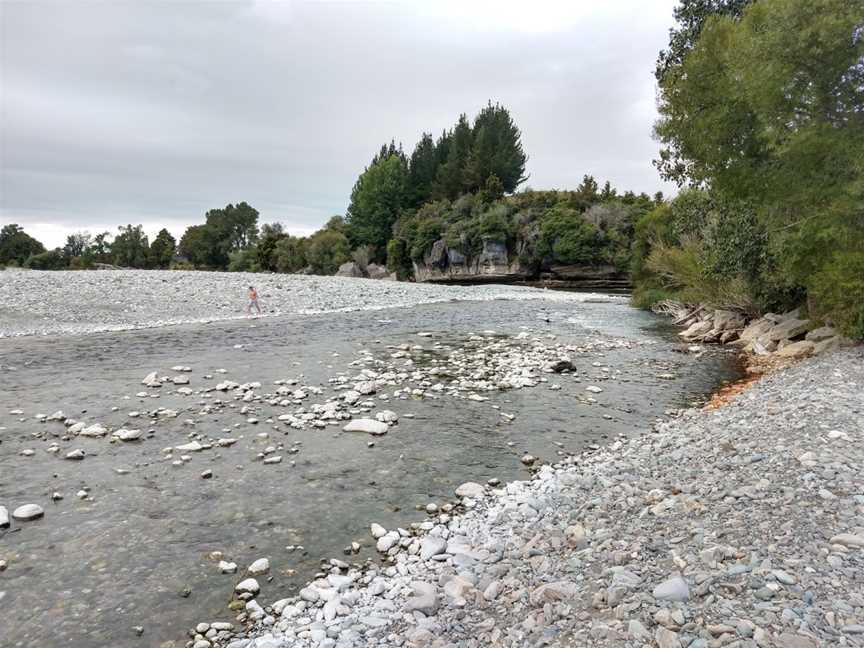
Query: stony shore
<point x="741" y="526"/>
<point x="68" y="302"/>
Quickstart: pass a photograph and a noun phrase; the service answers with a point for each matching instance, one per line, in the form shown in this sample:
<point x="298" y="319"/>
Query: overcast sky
<point x="153" y="112"/>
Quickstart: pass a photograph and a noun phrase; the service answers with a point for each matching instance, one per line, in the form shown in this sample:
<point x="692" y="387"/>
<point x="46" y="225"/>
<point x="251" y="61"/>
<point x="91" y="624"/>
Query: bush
<point x="291" y="254"/>
<point x="51" y="260"/>
<point x="398" y="259"/>
<point x="244" y="260"/>
<point x="837" y="292"/>
<point x="181" y="265"/>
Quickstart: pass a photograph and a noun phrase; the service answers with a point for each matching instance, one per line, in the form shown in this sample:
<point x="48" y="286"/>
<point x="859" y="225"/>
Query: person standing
<point x="253" y="301"/>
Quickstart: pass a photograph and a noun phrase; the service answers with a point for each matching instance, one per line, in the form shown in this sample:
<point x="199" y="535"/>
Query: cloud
<point x="154" y="112"/>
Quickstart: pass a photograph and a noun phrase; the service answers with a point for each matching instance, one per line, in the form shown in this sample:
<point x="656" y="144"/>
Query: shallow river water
<point x="91" y="570"/>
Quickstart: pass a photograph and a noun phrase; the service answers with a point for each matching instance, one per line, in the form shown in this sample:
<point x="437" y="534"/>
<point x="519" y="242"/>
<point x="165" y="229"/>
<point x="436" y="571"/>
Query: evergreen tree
<point x="451" y="179"/>
<point x="377" y="199"/>
<point x="496" y="149"/>
<point x="421" y="171"/>
<point x="162" y="250"/>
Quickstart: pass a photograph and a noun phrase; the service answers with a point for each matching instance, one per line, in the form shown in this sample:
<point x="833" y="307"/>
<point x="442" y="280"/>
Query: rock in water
<point x="370" y="426"/>
<point x="127" y="435"/>
<point x="28" y="512"/>
<point x="152" y="380"/>
<point x="470" y="489"/>
<point x="260" y="566"/>
<point x="4" y="517"/>
<point x="248" y="586"/>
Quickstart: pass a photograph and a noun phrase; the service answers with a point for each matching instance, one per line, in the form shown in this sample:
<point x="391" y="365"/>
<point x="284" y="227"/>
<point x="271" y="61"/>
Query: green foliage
<point x="16" y="246"/>
<point x="77" y="244"/>
<point x="245" y="260"/>
<point x="398" y="259"/>
<point x="838" y="289"/>
<point x="225" y="231"/>
<point x="130" y="247"/>
<point x="291" y="254"/>
<point x="495" y="151"/>
<point x="162" y="250"/>
<point x="377" y="199"/>
<point x="762" y="102"/>
<point x="268" y="239"/>
<point x="50" y="260"/>
<point x="181" y="265"/>
<point x="568" y="238"/>
<point x="326" y="251"/>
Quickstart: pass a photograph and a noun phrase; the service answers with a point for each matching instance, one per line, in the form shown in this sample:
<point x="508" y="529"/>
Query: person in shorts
<point x="253" y="301"/>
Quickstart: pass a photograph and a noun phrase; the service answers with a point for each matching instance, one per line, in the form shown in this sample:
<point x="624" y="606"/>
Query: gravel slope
<point x="739" y="527"/>
<point x="66" y="302"/>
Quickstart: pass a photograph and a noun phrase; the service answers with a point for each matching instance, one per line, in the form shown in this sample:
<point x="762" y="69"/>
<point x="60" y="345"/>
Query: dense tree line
<point x="484" y="155"/>
<point x="130" y="248"/>
<point x="762" y="116"/>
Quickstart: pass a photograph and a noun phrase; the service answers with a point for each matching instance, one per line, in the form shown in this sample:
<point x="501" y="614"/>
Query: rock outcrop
<point x="788" y="335"/>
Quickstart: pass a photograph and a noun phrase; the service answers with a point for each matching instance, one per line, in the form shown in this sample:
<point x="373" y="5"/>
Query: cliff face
<point x="445" y="264"/>
<point x="495" y="264"/>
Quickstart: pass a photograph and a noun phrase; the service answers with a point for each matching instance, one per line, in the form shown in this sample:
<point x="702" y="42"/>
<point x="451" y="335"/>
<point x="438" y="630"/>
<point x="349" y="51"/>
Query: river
<point x="136" y="551"/>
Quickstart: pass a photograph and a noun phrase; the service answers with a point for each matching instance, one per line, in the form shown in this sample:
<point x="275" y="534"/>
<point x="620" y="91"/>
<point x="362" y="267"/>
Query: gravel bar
<point x="742" y="526"/>
<point x="69" y="302"/>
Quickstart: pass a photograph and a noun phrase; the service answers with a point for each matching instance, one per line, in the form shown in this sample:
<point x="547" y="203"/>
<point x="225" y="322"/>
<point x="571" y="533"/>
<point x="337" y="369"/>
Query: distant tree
<point x="496" y="149"/>
<point x="608" y="193"/>
<point x="50" y="260"/>
<point x="16" y="246"/>
<point x="422" y="168"/>
<point x="226" y="230"/>
<point x="269" y="237"/>
<point x="77" y="244"/>
<point x="376" y="202"/>
<point x="451" y="179"/>
<point x="162" y="250"/>
<point x="291" y="254"/>
<point x="586" y="193"/>
<point x="130" y="247"/>
<point x="100" y="248"/>
<point x="326" y="251"/>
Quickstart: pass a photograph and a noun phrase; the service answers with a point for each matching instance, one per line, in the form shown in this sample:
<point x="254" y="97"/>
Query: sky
<point x="138" y="111"/>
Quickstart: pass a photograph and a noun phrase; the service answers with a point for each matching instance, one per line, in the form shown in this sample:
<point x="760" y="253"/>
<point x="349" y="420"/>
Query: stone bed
<point x="67" y="302"/>
<point x="742" y="526"/>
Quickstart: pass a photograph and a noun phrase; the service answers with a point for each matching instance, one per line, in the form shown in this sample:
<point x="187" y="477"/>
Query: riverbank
<point x="738" y="526"/>
<point x="70" y="303"/>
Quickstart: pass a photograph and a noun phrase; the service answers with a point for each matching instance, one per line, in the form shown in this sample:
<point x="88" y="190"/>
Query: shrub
<point x="51" y="260"/>
<point x="837" y="292"/>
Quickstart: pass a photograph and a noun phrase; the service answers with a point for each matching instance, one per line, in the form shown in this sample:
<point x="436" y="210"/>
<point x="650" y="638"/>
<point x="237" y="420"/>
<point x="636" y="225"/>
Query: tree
<point x="451" y="179"/>
<point x="496" y="150"/>
<point x="271" y="234"/>
<point x="422" y="168"/>
<point x="77" y="244"/>
<point x="16" y="246"/>
<point x="376" y="202"/>
<point x="691" y="16"/>
<point x="291" y="254"/>
<point x="226" y="230"/>
<point x="162" y="250"/>
<point x="100" y="248"/>
<point x="50" y="260"/>
<point x="326" y="251"/>
<point x="130" y="247"/>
